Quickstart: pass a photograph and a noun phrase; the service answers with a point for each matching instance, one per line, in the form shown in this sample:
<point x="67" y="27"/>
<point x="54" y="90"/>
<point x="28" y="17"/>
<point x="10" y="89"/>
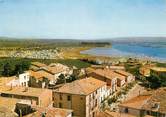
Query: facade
<point x="37" y="96"/>
<point x="121" y="81"/>
<point x="21" y="80"/>
<point x="82" y="96"/>
<point x="128" y="76"/>
<point x="107" y="76"/>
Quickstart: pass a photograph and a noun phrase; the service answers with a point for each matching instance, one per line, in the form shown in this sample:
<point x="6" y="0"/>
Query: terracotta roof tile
<point x="38" y="64"/>
<point x="82" y="87"/>
<point x="124" y="73"/>
<point x="136" y="102"/>
<point x="108" y="74"/>
<point x="50" y="112"/>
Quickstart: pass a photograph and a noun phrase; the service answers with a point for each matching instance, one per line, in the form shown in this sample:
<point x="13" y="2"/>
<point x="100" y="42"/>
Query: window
<point x="96" y="102"/>
<point x="126" y="110"/>
<point x="60" y="105"/>
<point x="60" y="96"/>
<point x="93" y="114"/>
<point x="68" y="97"/>
<point x="93" y="96"/>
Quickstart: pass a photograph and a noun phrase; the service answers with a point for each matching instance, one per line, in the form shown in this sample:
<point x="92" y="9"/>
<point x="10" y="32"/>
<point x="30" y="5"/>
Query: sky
<point x="82" y="19"/>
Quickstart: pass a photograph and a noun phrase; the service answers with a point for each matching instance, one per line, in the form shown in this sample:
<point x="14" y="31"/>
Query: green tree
<point x="154" y="81"/>
<point x="71" y="78"/>
<point x="18" y="69"/>
<point x="25" y="65"/>
<point x="61" y="79"/>
<point x="7" y="70"/>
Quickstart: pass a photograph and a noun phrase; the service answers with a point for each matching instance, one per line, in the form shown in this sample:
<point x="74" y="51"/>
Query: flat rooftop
<point x="50" y="112"/>
<point x="35" y="92"/>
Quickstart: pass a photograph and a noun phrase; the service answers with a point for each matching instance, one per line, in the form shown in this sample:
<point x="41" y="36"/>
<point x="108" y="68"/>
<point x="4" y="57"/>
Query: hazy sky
<point x="82" y="18"/>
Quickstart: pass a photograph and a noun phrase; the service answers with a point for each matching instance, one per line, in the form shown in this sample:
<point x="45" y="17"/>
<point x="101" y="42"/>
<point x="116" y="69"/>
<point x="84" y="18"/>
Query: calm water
<point x="155" y="50"/>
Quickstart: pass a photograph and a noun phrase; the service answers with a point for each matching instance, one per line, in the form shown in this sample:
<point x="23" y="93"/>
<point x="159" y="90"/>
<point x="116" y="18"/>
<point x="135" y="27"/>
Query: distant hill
<point x="137" y="39"/>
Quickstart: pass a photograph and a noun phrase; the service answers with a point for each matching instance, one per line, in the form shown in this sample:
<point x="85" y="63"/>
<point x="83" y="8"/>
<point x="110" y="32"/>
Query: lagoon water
<point x="153" y="50"/>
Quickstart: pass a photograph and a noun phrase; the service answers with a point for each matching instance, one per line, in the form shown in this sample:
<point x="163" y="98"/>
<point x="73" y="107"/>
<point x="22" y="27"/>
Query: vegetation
<point x="98" y="44"/>
<point x="62" y="79"/>
<point x="112" y="100"/>
<point x="154" y="81"/>
<point x="69" y="62"/>
<point x="9" y="67"/>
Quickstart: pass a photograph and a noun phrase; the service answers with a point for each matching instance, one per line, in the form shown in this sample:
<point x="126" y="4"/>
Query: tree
<point x="154" y="81"/>
<point x="61" y="79"/>
<point x="21" y="67"/>
<point x="6" y="70"/>
<point x="18" y="69"/>
<point x="25" y="65"/>
<point x="71" y="78"/>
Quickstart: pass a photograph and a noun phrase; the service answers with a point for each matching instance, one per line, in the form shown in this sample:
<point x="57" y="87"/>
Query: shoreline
<point x="121" y="56"/>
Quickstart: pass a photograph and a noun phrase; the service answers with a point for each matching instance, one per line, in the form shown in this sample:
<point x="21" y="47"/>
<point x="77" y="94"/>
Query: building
<point x="20" y="80"/>
<point x="5" y="80"/>
<point x="113" y="67"/>
<point x="37" y="65"/>
<point x="56" y="70"/>
<point x="128" y="76"/>
<point x="37" y="96"/>
<point x="5" y="112"/>
<point x="108" y="113"/>
<point x="50" y="112"/>
<point x="7" y="107"/>
<point x="41" y="79"/>
<point x="134" y="105"/>
<point x="151" y="103"/>
<point x="145" y="71"/>
<point x="82" y="96"/>
<point x="107" y="76"/>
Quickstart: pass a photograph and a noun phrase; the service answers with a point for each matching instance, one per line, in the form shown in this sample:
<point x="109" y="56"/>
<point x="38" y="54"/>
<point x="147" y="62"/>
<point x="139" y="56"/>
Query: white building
<point x="21" y="80"/>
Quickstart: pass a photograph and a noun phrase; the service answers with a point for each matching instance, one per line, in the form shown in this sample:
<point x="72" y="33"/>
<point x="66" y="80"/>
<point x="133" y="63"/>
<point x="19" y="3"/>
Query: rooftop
<point x="54" y="69"/>
<point x="40" y="74"/>
<point x="50" y="112"/>
<point x="5" y="80"/>
<point x="158" y="97"/>
<point x="108" y="113"/>
<point x="81" y="87"/>
<point x="148" y="100"/>
<point x="5" y="112"/>
<point x="108" y="74"/>
<point x="136" y="102"/>
<point x="124" y="73"/>
<point x="38" y="64"/>
<point x="24" y="91"/>
<point x="8" y="103"/>
<point x="117" y="67"/>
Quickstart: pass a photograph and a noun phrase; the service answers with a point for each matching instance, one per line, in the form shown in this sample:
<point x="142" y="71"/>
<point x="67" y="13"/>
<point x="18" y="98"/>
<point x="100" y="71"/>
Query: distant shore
<point x="123" y="56"/>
